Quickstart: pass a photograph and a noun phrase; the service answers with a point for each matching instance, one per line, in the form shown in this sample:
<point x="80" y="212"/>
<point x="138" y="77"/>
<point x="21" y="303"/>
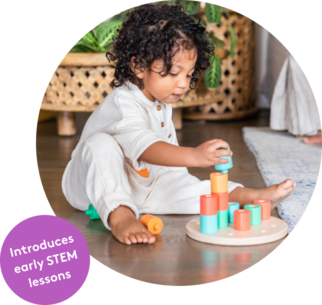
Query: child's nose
<point x="183" y="83"/>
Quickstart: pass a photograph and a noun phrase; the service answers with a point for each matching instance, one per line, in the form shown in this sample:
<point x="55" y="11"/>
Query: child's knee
<point x="102" y="140"/>
<point x="101" y="144"/>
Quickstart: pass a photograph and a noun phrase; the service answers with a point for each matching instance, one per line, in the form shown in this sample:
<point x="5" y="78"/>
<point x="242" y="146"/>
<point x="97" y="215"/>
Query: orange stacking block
<point x="152" y="223"/>
<point x="219" y="183"/>
<point x="223" y="199"/>
<point x="208" y="205"/>
<point x="266" y="208"/>
<point x="219" y="186"/>
<point x="242" y="220"/>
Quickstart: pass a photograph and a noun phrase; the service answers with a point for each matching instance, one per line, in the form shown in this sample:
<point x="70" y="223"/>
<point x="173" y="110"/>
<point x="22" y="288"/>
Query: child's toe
<point x="288" y="183"/>
<point x="133" y="239"/>
<point x="145" y="237"/>
<point x="139" y="237"/>
<point x="151" y="239"/>
<point x="127" y="241"/>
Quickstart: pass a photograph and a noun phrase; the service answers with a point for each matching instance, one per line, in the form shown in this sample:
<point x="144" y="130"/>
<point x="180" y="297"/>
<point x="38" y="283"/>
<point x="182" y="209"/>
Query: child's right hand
<point x="208" y="153"/>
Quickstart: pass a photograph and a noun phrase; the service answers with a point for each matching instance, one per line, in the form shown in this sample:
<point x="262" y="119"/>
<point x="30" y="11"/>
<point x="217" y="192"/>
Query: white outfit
<point x="101" y="170"/>
<point x="293" y="105"/>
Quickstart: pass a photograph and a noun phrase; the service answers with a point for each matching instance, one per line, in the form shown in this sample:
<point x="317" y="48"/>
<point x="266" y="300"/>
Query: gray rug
<point x="280" y="156"/>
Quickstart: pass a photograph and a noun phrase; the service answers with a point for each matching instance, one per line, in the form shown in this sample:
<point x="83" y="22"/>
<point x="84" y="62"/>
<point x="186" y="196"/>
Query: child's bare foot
<point x="127" y="229"/>
<point x="277" y="193"/>
<point x="313" y="140"/>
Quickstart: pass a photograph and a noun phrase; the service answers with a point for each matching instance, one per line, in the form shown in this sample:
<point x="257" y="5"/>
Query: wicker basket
<point x="82" y="81"/>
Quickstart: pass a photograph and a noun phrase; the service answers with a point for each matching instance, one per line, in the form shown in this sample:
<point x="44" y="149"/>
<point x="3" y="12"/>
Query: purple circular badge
<point x="44" y="259"/>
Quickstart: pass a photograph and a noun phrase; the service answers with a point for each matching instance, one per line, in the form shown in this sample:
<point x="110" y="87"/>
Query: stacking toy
<point x="152" y="223"/>
<point x="242" y="220"/>
<point x="233" y="226"/>
<point x="208" y="214"/>
<point x="219" y="183"/>
<point x="92" y="213"/>
<point x="226" y="166"/>
<point x="219" y="187"/>
<point x="255" y="214"/>
<point x="266" y="208"/>
<point x="232" y="207"/>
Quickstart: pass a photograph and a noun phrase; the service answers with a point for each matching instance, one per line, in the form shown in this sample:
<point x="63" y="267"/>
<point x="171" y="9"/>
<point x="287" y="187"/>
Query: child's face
<point x="170" y="88"/>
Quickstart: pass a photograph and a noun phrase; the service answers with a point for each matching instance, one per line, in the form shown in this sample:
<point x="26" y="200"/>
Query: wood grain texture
<point x="174" y="259"/>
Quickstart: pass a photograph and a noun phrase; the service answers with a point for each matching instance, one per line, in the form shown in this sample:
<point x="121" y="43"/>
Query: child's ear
<point x="138" y="72"/>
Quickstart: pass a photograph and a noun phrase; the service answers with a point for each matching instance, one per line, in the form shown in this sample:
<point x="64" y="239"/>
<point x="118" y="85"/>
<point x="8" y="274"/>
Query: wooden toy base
<point x="268" y="231"/>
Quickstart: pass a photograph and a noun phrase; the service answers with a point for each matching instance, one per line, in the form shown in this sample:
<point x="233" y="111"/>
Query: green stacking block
<point x="92" y="213"/>
<point x="255" y="214"/>
<point x="223" y="219"/>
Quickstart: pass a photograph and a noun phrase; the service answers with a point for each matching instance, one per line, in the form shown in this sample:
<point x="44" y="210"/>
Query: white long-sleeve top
<point x="134" y="121"/>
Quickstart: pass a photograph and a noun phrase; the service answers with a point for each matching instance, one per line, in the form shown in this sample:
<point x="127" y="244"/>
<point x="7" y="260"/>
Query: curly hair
<point x="152" y="32"/>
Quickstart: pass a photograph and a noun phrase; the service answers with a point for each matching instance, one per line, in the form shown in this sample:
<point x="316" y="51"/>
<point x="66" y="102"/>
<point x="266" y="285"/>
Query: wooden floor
<point x="174" y="259"/>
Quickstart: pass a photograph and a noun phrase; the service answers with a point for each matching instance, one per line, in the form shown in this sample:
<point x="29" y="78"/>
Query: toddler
<point x="128" y="160"/>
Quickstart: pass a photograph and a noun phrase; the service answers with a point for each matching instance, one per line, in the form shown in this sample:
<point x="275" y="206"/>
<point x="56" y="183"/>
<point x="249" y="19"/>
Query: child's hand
<point x="208" y="153"/>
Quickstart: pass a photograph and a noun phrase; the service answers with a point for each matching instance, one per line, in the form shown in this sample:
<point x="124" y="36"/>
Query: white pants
<point x="99" y="174"/>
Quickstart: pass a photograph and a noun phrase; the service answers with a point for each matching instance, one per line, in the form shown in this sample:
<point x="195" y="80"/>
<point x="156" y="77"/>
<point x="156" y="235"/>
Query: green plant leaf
<point x="106" y="32"/>
<point x="106" y="48"/>
<point x="87" y="44"/>
<point x="233" y="42"/>
<point x="115" y="18"/>
<point x="213" y="73"/>
<point x="100" y="39"/>
<point x="89" y="39"/>
<point x="216" y="41"/>
<point x="80" y="49"/>
<point x="213" y="13"/>
<point x="102" y="27"/>
<point x="191" y="7"/>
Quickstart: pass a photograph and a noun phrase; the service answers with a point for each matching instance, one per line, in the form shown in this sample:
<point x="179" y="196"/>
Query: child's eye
<point x="173" y="74"/>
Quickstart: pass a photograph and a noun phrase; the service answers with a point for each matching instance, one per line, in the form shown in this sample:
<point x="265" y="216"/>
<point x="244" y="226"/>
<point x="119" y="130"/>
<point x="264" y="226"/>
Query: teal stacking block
<point x="255" y="213"/>
<point x="223" y="219"/>
<point x="225" y="167"/>
<point x="232" y="206"/>
<point x="92" y="213"/>
<point x="208" y="224"/>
